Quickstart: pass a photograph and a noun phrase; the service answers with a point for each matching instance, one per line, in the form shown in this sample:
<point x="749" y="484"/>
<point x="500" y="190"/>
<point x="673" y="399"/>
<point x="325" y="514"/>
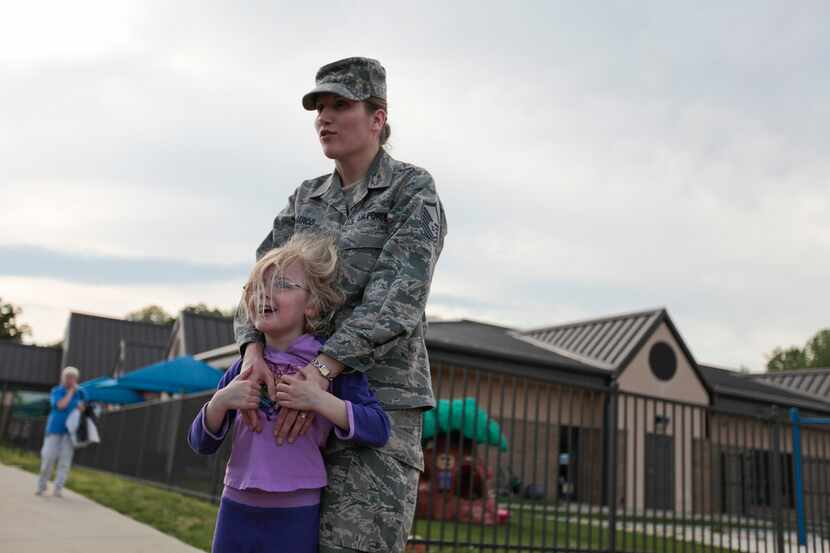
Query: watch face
<point x="324" y="370"/>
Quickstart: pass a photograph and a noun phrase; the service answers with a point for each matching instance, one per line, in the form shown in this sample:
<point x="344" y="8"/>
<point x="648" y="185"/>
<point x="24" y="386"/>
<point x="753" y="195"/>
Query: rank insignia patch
<point x="430" y="220"/>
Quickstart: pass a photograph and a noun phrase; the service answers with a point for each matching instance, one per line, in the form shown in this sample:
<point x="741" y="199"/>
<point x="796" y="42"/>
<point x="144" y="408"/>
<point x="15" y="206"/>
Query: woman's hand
<point x="256" y="369"/>
<point x="63" y="403"/>
<point x="298" y="392"/>
<point x="304" y="395"/>
<point x="292" y="423"/>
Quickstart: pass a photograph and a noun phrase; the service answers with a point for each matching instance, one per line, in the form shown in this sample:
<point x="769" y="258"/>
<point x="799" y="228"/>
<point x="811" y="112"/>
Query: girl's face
<point x="286" y="303"/>
<point x="344" y="127"/>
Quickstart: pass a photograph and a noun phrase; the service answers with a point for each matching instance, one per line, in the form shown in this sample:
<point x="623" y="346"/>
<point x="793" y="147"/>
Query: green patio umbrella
<point x="34" y="408"/>
<point x="464" y="416"/>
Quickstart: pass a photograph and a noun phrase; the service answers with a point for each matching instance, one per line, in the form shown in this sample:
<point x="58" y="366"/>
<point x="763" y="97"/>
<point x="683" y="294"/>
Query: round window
<point x="662" y="360"/>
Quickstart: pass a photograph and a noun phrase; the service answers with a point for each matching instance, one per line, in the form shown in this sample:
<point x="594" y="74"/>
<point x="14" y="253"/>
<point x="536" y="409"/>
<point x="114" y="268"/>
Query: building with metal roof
<point x="198" y="332"/>
<point x="92" y="343"/>
<point x="133" y="355"/>
<point x="607" y="342"/>
<point x="554" y="383"/>
<point x="813" y="383"/>
<point x="602" y="350"/>
<point x="33" y="368"/>
<point x="750" y="394"/>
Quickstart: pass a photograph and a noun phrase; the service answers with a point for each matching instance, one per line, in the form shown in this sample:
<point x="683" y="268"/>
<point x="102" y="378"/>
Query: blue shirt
<point x="57" y="417"/>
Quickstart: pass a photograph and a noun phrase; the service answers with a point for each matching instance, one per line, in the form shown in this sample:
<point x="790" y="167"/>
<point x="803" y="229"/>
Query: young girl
<point x="271" y="499"/>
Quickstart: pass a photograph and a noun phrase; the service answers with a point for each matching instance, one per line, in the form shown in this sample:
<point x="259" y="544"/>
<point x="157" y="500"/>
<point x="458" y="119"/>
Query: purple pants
<point x="246" y="529"/>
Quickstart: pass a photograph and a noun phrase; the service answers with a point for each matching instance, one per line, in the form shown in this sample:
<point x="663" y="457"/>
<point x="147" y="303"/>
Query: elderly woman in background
<point x="57" y="444"/>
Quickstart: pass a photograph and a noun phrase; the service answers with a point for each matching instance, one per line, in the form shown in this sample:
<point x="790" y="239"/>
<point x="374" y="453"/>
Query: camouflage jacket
<point x="389" y="239"/>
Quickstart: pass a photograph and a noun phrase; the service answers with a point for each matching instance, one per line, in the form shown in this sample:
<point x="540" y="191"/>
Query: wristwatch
<point x="324" y="371"/>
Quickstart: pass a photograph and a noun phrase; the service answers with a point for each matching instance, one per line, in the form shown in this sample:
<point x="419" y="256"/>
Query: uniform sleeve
<point x="368" y="422"/>
<point x="243" y="328"/>
<point x="200" y="439"/>
<point x="396" y="294"/>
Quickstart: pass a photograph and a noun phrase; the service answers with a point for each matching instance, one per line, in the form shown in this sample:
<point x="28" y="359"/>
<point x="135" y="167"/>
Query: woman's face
<point x="344" y="127"/>
<point x="285" y="308"/>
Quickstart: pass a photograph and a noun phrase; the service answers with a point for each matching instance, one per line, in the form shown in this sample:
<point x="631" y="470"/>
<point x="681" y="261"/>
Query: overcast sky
<point x="593" y="158"/>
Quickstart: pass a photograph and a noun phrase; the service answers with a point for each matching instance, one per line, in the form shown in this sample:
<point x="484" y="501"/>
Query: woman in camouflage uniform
<point x="390" y="227"/>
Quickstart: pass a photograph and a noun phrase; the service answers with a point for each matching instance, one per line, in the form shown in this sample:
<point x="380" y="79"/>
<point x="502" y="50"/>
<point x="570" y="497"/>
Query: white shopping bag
<point x="72" y="423"/>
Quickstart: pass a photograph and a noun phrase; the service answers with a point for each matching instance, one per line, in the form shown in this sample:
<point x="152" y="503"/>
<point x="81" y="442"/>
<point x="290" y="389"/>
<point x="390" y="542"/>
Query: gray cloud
<point x="37" y="262"/>
<point x="592" y="157"/>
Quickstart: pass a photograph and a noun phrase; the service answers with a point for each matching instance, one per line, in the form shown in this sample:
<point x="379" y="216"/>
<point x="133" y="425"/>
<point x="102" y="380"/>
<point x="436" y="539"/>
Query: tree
<point x="10" y="327"/>
<point x="202" y="309"/>
<point x="815" y="354"/>
<point x="151" y="314"/>
<point x="789" y="359"/>
<point x="818" y="349"/>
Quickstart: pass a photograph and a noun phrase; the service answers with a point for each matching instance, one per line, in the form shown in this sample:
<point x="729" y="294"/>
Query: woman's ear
<point x="378" y="119"/>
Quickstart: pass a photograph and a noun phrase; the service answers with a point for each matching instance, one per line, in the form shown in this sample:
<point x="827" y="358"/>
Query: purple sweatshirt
<point x="257" y="463"/>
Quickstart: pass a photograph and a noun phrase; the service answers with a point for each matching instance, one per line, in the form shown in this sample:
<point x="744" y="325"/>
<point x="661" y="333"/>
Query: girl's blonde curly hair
<point x="317" y="254"/>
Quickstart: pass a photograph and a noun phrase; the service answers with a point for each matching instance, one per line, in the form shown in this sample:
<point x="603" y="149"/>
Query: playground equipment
<point x="456" y="485"/>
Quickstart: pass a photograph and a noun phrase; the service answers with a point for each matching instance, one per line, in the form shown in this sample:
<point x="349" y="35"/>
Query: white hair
<point x="70" y="370"/>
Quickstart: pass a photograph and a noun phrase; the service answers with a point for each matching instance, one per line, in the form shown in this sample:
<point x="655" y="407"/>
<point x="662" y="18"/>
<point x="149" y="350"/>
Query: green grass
<point x="535" y="531"/>
<point x="716" y="522"/>
<point x="185" y="518"/>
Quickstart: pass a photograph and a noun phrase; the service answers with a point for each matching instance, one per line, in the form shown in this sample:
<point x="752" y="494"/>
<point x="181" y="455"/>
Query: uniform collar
<point x="378" y="176"/>
<point x="323" y="187"/>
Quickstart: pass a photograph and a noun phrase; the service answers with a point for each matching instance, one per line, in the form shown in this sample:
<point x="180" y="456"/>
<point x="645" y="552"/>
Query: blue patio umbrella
<point x="182" y="375"/>
<point x="106" y="390"/>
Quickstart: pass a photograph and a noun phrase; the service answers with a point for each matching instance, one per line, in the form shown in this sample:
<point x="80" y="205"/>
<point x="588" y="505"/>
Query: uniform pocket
<point x="359" y="255"/>
<point x="364" y="241"/>
<point x="405" y="439"/>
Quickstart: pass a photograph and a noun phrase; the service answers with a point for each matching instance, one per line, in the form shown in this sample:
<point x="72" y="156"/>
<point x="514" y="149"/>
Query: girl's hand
<point x="240" y="394"/>
<point x="255" y="368"/>
<point x="298" y="392"/>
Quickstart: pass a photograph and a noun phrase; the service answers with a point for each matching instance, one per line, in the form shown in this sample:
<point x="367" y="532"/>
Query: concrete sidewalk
<point x="73" y="523"/>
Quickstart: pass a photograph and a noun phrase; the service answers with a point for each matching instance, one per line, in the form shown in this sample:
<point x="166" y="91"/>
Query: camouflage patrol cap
<point x="353" y="78"/>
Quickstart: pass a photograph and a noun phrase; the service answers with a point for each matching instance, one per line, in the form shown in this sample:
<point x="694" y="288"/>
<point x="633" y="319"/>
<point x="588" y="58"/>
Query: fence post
<point x="611" y="467"/>
<point x="145" y="420"/>
<point x="798" y="481"/>
<point x="5" y="410"/>
<point x="118" y="437"/>
<point x="777" y="487"/>
<point x="174" y="432"/>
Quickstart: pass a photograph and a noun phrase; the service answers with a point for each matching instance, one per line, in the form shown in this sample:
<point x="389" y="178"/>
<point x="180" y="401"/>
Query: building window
<point x="663" y="361"/>
<point x="567" y="474"/>
<point x="747" y="479"/>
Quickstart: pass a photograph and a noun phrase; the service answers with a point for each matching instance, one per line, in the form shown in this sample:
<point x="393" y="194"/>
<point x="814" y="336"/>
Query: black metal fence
<point x="585" y="469"/>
